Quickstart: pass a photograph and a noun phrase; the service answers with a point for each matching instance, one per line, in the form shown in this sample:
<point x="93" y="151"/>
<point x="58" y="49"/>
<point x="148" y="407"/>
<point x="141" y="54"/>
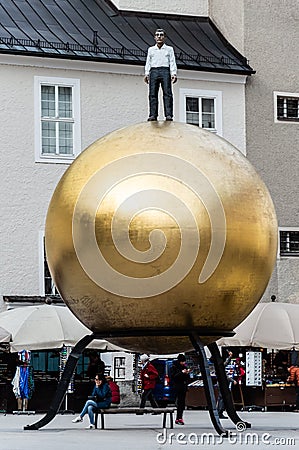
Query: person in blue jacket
<point x="101" y="399"/>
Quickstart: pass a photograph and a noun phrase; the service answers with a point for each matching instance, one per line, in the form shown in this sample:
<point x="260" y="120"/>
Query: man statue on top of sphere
<point x="160" y="69"/>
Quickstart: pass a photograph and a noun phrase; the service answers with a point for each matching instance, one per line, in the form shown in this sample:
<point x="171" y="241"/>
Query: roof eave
<point x="108" y="60"/>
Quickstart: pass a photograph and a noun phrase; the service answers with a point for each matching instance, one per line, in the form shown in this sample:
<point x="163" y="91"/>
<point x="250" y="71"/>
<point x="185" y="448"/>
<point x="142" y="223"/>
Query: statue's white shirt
<point x="160" y="57"/>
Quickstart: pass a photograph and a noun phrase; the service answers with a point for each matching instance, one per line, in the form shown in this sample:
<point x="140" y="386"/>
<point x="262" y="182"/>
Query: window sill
<point x="55" y="159"/>
<point x="287" y="119"/>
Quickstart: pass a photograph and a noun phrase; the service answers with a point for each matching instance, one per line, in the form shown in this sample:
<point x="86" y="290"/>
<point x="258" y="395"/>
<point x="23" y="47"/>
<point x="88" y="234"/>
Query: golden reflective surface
<point x="161" y="226"/>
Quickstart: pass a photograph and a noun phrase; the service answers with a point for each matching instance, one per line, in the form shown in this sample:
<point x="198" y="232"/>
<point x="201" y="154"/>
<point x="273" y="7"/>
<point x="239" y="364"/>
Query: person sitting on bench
<point x="115" y="394"/>
<point x="101" y="398"/>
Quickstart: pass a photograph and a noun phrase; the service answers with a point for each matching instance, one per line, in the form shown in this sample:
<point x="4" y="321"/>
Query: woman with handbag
<point x="100" y="398"/>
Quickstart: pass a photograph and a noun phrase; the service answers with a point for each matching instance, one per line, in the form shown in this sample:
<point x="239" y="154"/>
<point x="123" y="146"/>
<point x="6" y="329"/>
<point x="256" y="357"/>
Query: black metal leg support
<point x="208" y="385"/>
<point x="223" y="386"/>
<point x="63" y="383"/>
<point x="171" y="419"/>
<point x="96" y="417"/>
<point x="164" y="420"/>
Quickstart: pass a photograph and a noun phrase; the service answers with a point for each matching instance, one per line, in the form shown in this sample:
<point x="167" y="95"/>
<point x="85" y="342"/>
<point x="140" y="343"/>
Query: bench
<point x="137" y="411"/>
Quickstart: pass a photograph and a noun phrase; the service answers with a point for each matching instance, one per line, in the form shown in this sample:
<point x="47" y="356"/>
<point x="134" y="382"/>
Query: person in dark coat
<point x="180" y="378"/>
<point x="95" y="366"/>
<point x="220" y="402"/>
<point x="101" y="398"/>
<point x="148" y="375"/>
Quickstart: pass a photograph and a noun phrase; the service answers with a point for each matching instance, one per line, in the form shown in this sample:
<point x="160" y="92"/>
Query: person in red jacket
<point x="148" y="375"/>
<point x="115" y="395"/>
<point x="239" y="370"/>
<point x="294" y="378"/>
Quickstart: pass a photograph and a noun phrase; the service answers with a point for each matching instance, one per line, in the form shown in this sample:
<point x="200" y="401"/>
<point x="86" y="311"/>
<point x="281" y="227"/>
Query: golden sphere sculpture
<point x="159" y="227"/>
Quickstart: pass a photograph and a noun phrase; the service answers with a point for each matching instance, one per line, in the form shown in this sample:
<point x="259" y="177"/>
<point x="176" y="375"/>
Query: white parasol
<point x="45" y="327"/>
<point x="269" y="325"/>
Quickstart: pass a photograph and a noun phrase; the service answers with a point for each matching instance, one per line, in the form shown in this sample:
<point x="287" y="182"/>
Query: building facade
<point x="61" y="96"/>
<point x="267" y="32"/>
<point x="72" y="72"/>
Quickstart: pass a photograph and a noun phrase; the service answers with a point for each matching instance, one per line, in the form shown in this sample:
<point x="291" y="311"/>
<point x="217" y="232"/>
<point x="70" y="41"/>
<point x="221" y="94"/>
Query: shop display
<point x="253" y="369"/>
<point x="64" y="354"/>
<point x="23" y="382"/>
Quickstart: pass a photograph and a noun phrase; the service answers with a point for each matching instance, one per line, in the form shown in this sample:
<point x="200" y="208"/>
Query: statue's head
<point x="160" y="37"/>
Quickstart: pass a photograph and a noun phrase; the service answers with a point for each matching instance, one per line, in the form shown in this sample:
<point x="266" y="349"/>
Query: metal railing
<point x="95" y="50"/>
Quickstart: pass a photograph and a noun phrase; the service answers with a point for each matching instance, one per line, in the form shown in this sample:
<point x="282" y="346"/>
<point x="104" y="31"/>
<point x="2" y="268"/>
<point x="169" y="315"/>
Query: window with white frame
<point x="289" y="242"/>
<point x="50" y="288"/>
<point x="119" y="368"/>
<point x="57" y="119"/>
<point x="202" y="108"/>
<point x="286" y="107"/>
<point x="47" y="286"/>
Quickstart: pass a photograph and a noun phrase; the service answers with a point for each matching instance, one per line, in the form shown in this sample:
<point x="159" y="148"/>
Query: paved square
<point x="129" y="432"/>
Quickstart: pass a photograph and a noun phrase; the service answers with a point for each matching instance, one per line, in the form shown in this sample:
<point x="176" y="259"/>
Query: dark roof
<point x="97" y="30"/>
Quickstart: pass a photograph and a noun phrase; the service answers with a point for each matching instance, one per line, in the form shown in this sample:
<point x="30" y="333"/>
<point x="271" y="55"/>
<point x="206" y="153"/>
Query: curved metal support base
<point x="205" y="371"/>
<point x="223" y="386"/>
<point x="63" y="383"/>
<point x="208" y="385"/>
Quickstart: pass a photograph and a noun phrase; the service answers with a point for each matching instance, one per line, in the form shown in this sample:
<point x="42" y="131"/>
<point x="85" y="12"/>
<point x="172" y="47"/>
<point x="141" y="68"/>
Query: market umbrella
<point x="269" y="325"/>
<point x="44" y="327"/>
<point x="5" y="335"/>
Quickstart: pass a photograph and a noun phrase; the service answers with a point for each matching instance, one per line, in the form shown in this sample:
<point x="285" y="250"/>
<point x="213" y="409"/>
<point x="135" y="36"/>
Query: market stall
<point x="46" y="330"/>
<point x="271" y="335"/>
